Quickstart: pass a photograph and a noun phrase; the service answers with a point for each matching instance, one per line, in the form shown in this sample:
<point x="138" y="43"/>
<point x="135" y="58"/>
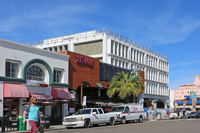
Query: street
<point x="163" y="126"/>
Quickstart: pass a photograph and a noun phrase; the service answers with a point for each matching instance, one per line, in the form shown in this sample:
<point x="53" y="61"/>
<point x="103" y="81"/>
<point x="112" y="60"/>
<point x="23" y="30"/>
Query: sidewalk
<point x="60" y="127"/>
<point x="53" y="127"/>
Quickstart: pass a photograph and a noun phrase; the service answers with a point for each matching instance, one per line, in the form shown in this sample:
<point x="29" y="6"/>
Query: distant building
<point x="184" y="90"/>
<point x="115" y="49"/>
<point x="183" y="95"/>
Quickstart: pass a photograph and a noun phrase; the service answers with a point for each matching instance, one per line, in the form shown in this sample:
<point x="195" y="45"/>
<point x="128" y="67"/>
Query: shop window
<point x="57" y="76"/>
<point x="101" y="72"/>
<point x="35" y="73"/>
<point x="106" y="72"/>
<point x="12" y="69"/>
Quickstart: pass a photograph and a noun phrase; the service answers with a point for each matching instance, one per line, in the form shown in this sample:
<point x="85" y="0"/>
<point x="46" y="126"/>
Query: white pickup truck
<point x="87" y="117"/>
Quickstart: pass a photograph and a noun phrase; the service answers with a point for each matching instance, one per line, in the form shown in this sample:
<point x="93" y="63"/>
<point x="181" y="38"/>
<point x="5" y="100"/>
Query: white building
<point x="171" y="98"/>
<point x="115" y="49"/>
<point x="30" y="72"/>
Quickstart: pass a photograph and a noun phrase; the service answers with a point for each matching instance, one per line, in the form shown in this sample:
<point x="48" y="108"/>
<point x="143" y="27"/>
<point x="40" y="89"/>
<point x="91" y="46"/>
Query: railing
<point x="92" y="33"/>
<point x="127" y="40"/>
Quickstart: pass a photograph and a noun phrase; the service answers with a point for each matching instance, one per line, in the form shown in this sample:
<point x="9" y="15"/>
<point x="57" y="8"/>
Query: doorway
<point x="56" y="114"/>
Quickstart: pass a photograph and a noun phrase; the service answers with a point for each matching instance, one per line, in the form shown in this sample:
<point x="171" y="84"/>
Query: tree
<point x="125" y="85"/>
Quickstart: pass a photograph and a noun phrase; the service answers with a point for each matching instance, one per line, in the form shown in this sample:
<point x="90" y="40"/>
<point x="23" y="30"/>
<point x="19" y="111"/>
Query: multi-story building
<point x="183" y="95"/>
<point x="112" y="48"/>
<point x="185" y="90"/>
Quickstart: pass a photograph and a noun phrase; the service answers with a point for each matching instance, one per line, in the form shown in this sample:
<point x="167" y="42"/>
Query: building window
<point x="57" y="76"/>
<point x="112" y="47"/>
<point x="12" y="69"/>
<point x="35" y="73"/>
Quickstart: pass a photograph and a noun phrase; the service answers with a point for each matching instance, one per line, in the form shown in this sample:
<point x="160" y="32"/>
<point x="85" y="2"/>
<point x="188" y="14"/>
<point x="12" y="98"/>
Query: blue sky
<point x="171" y="27"/>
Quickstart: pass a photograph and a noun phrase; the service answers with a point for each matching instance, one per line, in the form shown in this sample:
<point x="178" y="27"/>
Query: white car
<point x="87" y="117"/>
<point x="128" y="112"/>
<point x="174" y="115"/>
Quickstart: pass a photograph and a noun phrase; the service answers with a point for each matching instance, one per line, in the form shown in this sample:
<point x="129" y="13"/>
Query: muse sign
<point x="84" y="60"/>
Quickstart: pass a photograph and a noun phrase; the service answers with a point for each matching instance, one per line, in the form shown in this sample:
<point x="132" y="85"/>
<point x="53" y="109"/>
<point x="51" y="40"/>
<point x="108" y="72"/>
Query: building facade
<point x="30" y="72"/>
<point x="183" y="96"/>
<point x="91" y="78"/>
<point x="115" y="49"/>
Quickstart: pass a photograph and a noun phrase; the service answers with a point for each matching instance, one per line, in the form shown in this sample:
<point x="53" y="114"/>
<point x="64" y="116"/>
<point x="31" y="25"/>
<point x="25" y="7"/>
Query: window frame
<point x="55" y="74"/>
<point x="11" y="68"/>
<point x="37" y="78"/>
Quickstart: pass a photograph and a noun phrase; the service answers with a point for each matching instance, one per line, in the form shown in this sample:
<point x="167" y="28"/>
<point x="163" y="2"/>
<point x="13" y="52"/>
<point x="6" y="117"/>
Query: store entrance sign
<point x="84" y="60"/>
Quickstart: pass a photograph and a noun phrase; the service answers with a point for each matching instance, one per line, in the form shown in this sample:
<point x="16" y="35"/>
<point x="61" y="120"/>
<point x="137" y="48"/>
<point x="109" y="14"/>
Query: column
<point x="1" y="99"/>
<point x="81" y="94"/>
<point x="105" y="48"/>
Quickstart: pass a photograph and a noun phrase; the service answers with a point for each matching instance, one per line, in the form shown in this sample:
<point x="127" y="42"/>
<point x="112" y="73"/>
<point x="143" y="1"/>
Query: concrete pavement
<point x="61" y="127"/>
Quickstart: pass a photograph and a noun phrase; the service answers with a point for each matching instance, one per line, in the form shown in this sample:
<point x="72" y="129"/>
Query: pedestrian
<point x="167" y="113"/>
<point x="34" y="116"/>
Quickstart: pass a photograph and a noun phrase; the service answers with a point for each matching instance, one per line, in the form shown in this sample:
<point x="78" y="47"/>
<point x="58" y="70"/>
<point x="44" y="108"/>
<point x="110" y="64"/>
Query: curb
<point x="37" y="131"/>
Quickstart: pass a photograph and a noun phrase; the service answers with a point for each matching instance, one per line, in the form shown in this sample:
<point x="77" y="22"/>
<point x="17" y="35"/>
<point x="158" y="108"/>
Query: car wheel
<point x="140" y="119"/>
<point x="111" y="121"/>
<point x="87" y="123"/>
<point x="123" y="121"/>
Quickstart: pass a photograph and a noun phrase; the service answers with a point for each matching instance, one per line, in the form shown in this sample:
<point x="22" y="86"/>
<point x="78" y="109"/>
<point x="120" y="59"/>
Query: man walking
<point x="33" y="115"/>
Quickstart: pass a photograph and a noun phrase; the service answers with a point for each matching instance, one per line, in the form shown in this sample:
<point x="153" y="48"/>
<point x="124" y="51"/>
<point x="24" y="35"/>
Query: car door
<point x="102" y="116"/>
<point x="127" y="113"/>
<point x="95" y="117"/>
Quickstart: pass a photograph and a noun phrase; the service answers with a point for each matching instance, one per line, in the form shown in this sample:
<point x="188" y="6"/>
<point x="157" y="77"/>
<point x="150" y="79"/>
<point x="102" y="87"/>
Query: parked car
<point x="128" y="112"/>
<point x="198" y="114"/>
<point x="192" y="115"/>
<point x="173" y="115"/>
<point x="87" y="117"/>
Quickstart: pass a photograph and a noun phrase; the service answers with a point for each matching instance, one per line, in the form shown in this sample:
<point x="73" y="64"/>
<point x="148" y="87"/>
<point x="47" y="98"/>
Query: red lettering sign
<point x="84" y="60"/>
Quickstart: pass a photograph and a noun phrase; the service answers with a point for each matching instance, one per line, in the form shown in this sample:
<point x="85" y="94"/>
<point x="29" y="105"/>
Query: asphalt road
<point x="163" y="126"/>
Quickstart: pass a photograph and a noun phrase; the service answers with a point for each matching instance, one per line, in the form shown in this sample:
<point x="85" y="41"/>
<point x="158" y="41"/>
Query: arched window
<point x="35" y="73"/>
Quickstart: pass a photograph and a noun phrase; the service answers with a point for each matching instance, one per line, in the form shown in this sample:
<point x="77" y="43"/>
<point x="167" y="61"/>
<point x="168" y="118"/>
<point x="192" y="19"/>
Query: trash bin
<point x="46" y="121"/>
<point x="20" y="124"/>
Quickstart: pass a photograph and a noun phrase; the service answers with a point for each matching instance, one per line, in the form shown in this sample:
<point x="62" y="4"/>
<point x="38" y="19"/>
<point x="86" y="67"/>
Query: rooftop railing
<point x="91" y="33"/>
<point x="127" y="40"/>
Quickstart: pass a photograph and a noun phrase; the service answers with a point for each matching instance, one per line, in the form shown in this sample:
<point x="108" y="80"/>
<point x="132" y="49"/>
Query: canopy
<point x="15" y="90"/>
<point x="41" y="96"/>
<point x="61" y="93"/>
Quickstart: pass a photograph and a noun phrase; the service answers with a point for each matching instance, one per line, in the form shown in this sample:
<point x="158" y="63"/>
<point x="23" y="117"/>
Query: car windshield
<point x="83" y="111"/>
<point x="117" y="109"/>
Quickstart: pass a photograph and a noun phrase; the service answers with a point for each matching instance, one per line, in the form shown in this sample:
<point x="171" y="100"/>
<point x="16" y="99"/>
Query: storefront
<point x="61" y="99"/>
<point x="29" y="72"/>
<point x="89" y="79"/>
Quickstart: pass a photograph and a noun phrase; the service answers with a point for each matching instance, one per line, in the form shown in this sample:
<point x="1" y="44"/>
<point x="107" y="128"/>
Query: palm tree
<point x="125" y="85"/>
